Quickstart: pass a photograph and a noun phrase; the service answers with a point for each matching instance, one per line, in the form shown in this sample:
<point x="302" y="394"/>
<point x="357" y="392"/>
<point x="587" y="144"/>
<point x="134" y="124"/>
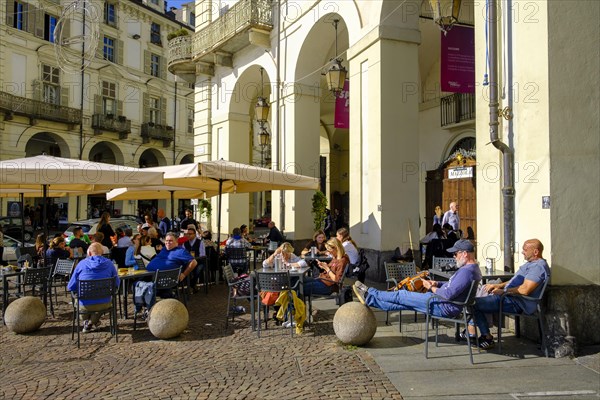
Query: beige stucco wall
<point x="574" y="141"/>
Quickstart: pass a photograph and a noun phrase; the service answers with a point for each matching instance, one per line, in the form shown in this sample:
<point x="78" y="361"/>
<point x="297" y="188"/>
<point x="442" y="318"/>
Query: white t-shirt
<point x="351" y="251"/>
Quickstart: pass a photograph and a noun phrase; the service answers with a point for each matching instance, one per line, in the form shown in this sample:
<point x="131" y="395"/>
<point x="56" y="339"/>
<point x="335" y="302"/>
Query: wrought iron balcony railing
<point x="34" y="109"/>
<point x="108" y="122"/>
<point x="158" y="132"/>
<point x="227" y="31"/>
<point x="457" y="107"/>
<point x="179" y="61"/>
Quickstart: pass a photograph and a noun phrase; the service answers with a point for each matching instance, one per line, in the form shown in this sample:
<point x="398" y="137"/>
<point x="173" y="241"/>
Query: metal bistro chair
<point x="395" y="273"/>
<point x="95" y="289"/>
<point x="462" y="318"/>
<point x="36" y="277"/>
<point x="338" y="297"/>
<point x="274" y="282"/>
<point x="238" y="258"/>
<point x="62" y="272"/>
<point x="140" y="264"/>
<point x="164" y="280"/>
<point x="233" y="295"/>
<point x="537" y="314"/>
<point x="443" y="263"/>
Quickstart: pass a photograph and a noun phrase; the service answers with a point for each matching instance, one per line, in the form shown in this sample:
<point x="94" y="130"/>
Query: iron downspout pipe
<point x="508" y="190"/>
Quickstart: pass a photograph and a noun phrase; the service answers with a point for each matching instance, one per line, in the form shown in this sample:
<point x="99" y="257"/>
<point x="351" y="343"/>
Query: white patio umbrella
<point x="70" y="176"/>
<point x="230" y="177"/>
<point x="159" y="192"/>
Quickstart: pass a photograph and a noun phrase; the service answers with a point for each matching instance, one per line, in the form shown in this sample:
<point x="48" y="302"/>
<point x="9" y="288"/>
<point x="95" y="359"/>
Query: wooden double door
<point x="443" y="187"/>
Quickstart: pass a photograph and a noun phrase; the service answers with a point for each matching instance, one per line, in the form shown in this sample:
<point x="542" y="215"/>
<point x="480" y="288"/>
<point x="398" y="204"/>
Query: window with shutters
<point x="51" y="84"/>
<point x="109" y="98"/>
<point x="154" y="65"/>
<point x="193" y="19"/>
<point x="190" y="127"/>
<point x="110" y="14"/>
<point x="20" y="20"/>
<point x="154" y="106"/>
<point x="109" y="49"/>
<point x="49" y="26"/>
<point x="155" y="34"/>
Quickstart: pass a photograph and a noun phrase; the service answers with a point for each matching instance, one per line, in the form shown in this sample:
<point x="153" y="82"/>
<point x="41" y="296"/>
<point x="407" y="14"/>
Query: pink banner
<point x="458" y="60"/>
<point x="342" y="108"/>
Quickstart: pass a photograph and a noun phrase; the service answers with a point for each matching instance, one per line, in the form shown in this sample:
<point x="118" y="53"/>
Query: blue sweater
<point x="457" y="288"/>
<point x="94" y="267"/>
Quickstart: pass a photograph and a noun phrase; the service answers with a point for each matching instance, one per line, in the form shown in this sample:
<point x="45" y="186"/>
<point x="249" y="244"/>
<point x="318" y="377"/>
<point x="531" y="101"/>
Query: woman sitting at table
<point x="145" y="249"/>
<point x="350" y="247"/>
<point x="332" y="272"/>
<point x="317" y="241"/>
<point x="154" y="239"/>
<point x="58" y="250"/>
<point x="130" y="253"/>
<point x="288" y="258"/>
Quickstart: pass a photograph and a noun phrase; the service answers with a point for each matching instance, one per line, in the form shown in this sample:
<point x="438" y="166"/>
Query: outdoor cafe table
<point x="127" y="275"/>
<point x="307" y="257"/>
<point x="486" y="275"/>
<point x="299" y="273"/>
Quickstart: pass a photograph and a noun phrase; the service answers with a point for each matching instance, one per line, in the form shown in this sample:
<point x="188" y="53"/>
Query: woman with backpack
<point x="343" y="235"/>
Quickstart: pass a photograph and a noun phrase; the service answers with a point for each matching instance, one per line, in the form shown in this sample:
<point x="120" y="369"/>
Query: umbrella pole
<point x="219" y="213"/>
<point x="45" y="221"/>
<point x="172" y="209"/>
<point x="22" y="198"/>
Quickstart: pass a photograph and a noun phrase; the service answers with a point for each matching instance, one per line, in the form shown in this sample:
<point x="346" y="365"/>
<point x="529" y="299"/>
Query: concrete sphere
<point x="354" y="323"/>
<point x="25" y="315"/>
<point x="168" y="318"/>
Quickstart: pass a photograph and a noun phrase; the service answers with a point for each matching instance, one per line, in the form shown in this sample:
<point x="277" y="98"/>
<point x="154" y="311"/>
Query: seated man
<point x="528" y="281"/>
<point x="93" y="267"/>
<point x="239" y="265"/>
<point x="171" y="256"/>
<point x="77" y="241"/>
<point x="457" y="288"/>
<point x="195" y="246"/>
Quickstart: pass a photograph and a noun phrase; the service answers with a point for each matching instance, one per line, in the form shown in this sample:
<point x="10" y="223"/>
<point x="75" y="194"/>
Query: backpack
<point x="413" y="283"/>
<point x="361" y="267"/>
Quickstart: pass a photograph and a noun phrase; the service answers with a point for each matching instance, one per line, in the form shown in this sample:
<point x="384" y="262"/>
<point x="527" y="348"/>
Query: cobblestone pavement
<point x="207" y="361"/>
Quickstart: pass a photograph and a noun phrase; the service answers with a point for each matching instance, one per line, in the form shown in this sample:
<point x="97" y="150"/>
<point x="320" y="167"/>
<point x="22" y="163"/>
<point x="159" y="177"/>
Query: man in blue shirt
<point x="171" y="256"/>
<point x="451" y="217"/>
<point x="93" y="267"/>
<point x="457" y="288"/>
<point x="164" y="223"/>
<point x="528" y="281"/>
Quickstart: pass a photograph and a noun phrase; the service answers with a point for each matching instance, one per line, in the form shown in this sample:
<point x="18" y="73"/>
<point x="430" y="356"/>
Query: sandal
<point x="463" y="336"/>
<point x="485" y="343"/>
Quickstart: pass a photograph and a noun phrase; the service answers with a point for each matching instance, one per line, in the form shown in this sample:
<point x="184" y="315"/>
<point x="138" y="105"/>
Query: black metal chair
<point x="61" y="272"/>
<point x="537" y="314"/>
<point x="238" y="258"/>
<point x="462" y="318"/>
<point x="274" y="282"/>
<point x="95" y="289"/>
<point x="443" y="263"/>
<point x="36" y="277"/>
<point x="234" y="293"/>
<point x="165" y="280"/>
<point x="140" y="264"/>
<point x="395" y="273"/>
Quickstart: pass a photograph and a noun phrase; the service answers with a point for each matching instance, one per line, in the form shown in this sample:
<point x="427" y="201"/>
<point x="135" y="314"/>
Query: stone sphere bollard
<point x="168" y="318"/>
<point x="354" y="323"/>
<point x="25" y="315"/>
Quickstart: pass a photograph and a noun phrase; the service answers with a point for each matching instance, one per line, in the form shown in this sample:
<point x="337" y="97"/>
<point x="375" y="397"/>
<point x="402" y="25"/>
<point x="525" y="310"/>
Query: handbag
<point x="413" y="283"/>
<point x="268" y="298"/>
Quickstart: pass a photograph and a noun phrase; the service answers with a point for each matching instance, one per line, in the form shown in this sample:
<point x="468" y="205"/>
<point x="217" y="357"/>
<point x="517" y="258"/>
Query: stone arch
<point x="465" y="134"/>
<point x="47" y="142"/>
<point x="151" y="158"/>
<point x="403" y="14"/>
<point x="106" y="152"/>
<point x="187" y="159"/>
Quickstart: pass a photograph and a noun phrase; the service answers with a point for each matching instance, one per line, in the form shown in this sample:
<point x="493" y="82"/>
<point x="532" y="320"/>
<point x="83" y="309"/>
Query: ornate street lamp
<point x="445" y="13"/>
<point x="263" y="137"/>
<point x="261" y="109"/>
<point x="336" y="74"/>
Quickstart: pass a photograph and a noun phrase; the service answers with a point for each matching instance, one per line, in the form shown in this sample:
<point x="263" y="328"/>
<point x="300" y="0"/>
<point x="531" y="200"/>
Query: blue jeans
<point x="489" y="305"/>
<point x="401" y="300"/>
<point x="315" y="286"/>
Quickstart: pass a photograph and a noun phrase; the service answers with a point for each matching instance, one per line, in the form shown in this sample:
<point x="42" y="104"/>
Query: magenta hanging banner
<point x="458" y="60"/>
<point x="342" y="108"/>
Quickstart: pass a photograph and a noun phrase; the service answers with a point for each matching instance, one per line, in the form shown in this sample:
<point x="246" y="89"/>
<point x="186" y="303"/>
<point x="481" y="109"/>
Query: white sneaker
<point x="287" y="324"/>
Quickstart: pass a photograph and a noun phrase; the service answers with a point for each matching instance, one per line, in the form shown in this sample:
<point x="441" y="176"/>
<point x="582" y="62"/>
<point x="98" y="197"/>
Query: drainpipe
<point x="508" y="188"/>
<point x="277" y="118"/>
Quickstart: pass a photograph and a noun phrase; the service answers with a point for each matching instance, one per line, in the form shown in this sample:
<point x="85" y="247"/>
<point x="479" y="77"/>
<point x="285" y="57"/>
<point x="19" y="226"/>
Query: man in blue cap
<point x="457" y="288"/>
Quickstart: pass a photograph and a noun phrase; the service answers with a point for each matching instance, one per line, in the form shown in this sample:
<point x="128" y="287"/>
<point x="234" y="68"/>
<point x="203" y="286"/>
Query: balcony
<point x="180" y="58"/>
<point x="457" y="108"/>
<point x="108" y="122"/>
<point x="158" y="132"/>
<point x="16" y="105"/>
<point x="248" y="22"/>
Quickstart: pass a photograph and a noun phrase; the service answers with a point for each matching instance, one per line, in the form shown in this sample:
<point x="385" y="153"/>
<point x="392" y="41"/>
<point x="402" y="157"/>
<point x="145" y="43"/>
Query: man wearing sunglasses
<point x="457" y="288"/>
